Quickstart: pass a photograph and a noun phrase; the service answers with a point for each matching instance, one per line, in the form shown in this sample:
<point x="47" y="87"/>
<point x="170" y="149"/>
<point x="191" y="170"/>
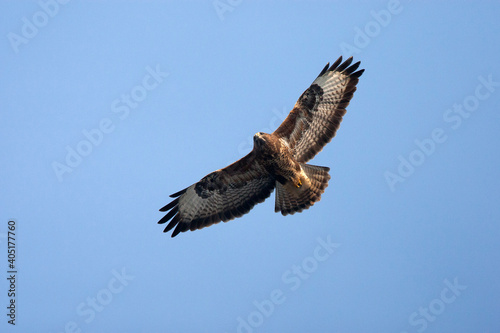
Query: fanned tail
<point x="290" y="199"/>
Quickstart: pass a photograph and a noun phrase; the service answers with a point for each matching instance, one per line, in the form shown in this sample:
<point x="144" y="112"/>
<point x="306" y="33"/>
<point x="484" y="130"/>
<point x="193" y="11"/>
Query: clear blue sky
<point x="108" y="108"/>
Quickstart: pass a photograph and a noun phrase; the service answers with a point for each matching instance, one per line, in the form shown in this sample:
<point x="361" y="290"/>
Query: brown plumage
<point x="278" y="160"/>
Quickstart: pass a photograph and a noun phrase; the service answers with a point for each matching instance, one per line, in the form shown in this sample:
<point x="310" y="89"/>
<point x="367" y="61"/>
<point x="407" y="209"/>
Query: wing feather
<point x="317" y="115"/>
<point x="220" y="196"/>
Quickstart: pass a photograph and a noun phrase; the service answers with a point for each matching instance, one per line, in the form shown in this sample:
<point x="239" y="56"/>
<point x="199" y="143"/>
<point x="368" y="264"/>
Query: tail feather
<point x="290" y="199"/>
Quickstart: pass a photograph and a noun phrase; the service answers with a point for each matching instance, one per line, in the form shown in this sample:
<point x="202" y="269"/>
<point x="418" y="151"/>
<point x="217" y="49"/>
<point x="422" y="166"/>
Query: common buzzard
<point x="278" y="160"/>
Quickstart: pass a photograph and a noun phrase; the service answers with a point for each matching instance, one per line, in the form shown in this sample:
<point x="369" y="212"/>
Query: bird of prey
<point x="278" y="160"/>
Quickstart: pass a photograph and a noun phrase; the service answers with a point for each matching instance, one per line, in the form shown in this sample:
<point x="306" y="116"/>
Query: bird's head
<point x="259" y="138"/>
<point x="261" y="141"/>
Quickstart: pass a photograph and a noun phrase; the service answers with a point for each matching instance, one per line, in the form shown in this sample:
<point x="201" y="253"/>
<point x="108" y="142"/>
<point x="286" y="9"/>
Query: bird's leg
<point x="299" y="184"/>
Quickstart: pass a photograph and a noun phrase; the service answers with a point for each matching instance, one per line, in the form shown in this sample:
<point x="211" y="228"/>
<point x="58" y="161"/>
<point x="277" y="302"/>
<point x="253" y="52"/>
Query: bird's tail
<point x="291" y="199"/>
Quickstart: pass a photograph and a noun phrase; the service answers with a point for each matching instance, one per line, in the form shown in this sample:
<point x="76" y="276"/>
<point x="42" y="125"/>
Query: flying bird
<point x="278" y="160"/>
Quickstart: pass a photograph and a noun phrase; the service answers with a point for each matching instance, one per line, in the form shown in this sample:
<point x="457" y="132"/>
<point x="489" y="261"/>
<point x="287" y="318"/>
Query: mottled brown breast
<point x="278" y="160"/>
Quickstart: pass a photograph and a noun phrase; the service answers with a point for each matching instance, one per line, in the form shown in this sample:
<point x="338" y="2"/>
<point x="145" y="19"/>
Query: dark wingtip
<point x="352" y="68"/>
<point x="358" y="73"/>
<point x="169" y="215"/>
<point x="344" y="65"/>
<point x="170" y="205"/>
<point x="176" y="194"/>
<point x="173" y="223"/>
<point x="335" y="64"/>
<point x="324" y="69"/>
<point x="181" y="227"/>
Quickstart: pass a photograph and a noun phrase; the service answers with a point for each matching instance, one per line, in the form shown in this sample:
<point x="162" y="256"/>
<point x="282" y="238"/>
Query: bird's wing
<point x="316" y="116"/>
<point x="220" y="196"/>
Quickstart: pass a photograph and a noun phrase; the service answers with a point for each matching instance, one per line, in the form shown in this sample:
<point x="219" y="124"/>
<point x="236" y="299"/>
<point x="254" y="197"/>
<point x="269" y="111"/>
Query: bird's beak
<point x="258" y="138"/>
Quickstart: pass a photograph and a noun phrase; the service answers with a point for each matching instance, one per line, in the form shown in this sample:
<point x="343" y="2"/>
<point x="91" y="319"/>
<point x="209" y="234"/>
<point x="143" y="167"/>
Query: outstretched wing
<point x="219" y="196"/>
<point x="316" y="116"/>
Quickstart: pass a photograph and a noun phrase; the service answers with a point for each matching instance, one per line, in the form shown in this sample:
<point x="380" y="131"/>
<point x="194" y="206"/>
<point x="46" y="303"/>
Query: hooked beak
<point x="258" y="138"/>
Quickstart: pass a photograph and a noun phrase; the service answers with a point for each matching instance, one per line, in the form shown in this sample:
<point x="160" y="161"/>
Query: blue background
<point x="236" y="68"/>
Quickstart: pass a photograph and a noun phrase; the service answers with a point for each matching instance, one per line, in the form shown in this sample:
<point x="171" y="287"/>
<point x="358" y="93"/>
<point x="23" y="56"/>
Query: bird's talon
<point x="299" y="184"/>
